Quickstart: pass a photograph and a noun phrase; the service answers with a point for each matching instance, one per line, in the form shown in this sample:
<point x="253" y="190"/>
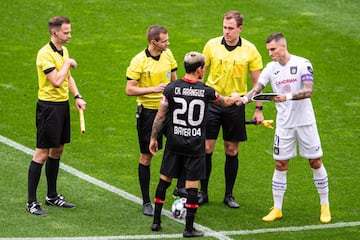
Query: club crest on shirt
<point x="287" y="88"/>
<point x="293" y="70"/>
<point x="309" y="68"/>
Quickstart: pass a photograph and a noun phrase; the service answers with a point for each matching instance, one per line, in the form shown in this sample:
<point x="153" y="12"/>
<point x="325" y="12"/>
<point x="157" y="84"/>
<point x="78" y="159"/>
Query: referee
<point x="230" y="59"/>
<point x="52" y="114"/>
<point x="147" y="75"/>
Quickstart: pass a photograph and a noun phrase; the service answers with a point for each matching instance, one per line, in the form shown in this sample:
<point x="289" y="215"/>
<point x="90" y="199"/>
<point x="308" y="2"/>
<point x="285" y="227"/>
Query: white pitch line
<point x="241" y="232"/>
<point x="222" y="235"/>
<point x="113" y="189"/>
<point x="292" y="229"/>
<point x="126" y="237"/>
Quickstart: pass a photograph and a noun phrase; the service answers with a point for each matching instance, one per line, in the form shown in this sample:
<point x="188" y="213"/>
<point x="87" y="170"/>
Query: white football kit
<point x="295" y="120"/>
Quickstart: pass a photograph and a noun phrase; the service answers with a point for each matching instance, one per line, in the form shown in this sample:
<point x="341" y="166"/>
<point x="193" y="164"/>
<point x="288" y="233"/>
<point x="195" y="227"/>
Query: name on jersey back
<point x="190" y="92"/>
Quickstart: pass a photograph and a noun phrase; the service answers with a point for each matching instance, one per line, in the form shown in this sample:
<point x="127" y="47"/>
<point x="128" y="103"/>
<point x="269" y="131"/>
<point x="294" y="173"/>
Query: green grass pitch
<point x="106" y="35"/>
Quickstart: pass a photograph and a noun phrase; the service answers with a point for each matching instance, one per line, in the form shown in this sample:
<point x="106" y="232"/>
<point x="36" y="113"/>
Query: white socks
<point x="279" y="183"/>
<point x="322" y="184"/>
<point x="279" y="187"/>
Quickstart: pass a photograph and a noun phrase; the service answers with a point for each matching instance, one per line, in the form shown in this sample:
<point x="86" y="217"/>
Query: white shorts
<point x="286" y="140"/>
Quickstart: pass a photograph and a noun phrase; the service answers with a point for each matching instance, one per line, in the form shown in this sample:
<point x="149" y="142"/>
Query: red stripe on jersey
<point x="188" y="205"/>
<point x="158" y="200"/>
<point x="164" y="100"/>
<point x="217" y="100"/>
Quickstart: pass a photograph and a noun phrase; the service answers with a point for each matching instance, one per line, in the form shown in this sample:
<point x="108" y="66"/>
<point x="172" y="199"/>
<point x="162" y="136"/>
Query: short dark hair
<point x="233" y="14"/>
<point x="192" y="61"/>
<point x="275" y="36"/>
<point x="57" y="21"/>
<point x="153" y="32"/>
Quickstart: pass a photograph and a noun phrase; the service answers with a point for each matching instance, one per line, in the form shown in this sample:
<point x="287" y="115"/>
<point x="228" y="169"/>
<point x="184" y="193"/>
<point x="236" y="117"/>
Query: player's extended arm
<point x="304" y="92"/>
<point x="228" y="101"/>
<point x="255" y="90"/>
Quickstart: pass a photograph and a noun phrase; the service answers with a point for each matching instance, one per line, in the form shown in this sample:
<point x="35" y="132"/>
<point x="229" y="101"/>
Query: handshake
<point x="237" y="99"/>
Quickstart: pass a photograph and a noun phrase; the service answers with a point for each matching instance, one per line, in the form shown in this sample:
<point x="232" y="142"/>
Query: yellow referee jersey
<point x="49" y="58"/>
<point x="229" y="70"/>
<point x="151" y="72"/>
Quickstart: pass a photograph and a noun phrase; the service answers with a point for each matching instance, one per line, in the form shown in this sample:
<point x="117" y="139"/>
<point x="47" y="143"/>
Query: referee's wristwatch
<point x="78" y="96"/>
<point x="259" y="107"/>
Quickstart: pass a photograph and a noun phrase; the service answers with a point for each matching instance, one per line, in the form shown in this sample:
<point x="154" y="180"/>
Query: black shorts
<point x="189" y="167"/>
<point x="231" y="119"/>
<point x="52" y="124"/>
<point x="145" y="118"/>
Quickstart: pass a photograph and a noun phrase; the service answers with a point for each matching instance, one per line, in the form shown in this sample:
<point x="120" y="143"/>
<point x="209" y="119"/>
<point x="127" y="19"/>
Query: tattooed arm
<point x="255" y="90"/>
<point x="228" y="101"/>
<point x="157" y="126"/>
<point x="304" y="92"/>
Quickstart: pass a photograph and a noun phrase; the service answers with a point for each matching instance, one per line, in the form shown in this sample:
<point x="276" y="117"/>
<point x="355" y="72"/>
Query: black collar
<point x="149" y="55"/>
<point x="230" y="48"/>
<point x="61" y="52"/>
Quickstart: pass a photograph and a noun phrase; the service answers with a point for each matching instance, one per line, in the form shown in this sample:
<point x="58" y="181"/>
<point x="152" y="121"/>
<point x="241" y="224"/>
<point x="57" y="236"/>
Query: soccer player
<point x="148" y="74"/>
<point x="292" y="78"/>
<point x="185" y="102"/>
<point x="229" y="58"/>
<point x="52" y="113"/>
